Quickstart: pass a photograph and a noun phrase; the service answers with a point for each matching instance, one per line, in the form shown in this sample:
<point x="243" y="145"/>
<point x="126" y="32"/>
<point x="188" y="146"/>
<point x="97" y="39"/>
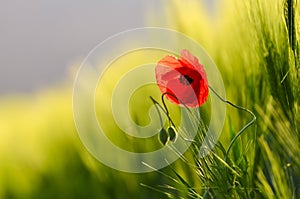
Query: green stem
<point x="164" y="110"/>
<point x="243" y="129"/>
<point x="156" y="104"/>
<point x="180" y="101"/>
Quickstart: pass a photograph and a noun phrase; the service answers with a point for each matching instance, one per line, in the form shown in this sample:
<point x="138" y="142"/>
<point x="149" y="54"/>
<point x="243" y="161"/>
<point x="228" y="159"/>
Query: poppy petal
<point x="184" y="78"/>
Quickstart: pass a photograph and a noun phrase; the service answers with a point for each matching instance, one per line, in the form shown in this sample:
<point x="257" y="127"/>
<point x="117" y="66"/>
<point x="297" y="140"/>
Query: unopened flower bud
<point x="172" y="133"/>
<point x="163" y="136"/>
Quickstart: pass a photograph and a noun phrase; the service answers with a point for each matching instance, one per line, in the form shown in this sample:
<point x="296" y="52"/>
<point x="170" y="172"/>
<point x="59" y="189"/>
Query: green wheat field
<point x="256" y="46"/>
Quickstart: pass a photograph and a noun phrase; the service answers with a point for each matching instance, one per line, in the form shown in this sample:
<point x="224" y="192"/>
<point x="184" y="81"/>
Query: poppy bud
<point x="163" y="136"/>
<point x="172" y="133"/>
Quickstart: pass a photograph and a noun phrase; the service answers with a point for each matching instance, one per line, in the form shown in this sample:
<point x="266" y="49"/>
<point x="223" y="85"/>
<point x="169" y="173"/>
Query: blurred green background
<point x="256" y="47"/>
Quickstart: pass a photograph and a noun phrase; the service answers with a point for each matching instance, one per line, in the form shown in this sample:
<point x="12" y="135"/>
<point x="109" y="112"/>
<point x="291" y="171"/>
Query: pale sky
<point x="40" y="39"/>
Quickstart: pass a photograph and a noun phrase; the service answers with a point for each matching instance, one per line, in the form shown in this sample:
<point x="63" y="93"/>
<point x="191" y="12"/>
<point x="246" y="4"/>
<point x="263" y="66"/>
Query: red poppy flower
<point x="184" y="78"/>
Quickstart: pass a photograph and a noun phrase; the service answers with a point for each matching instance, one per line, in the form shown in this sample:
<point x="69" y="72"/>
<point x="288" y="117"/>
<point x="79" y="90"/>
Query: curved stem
<point x="166" y="112"/>
<point x="156" y="104"/>
<point x="181" y="102"/>
<point x="163" y="101"/>
<point x="243" y="129"/>
<point x="166" y="108"/>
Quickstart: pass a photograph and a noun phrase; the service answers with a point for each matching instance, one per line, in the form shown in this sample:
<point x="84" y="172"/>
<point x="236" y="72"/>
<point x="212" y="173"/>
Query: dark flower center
<point x="185" y="80"/>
